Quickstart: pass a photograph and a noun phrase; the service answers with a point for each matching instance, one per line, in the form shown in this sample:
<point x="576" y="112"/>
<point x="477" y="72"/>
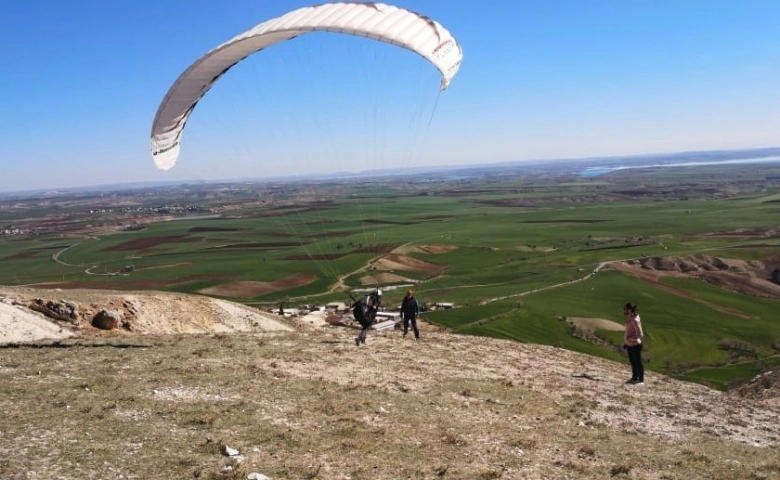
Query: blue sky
<point x="81" y="82"/>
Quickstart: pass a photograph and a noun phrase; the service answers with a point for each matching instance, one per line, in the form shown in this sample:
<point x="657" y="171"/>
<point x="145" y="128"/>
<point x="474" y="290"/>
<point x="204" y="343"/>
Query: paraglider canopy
<point x="378" y="21"/>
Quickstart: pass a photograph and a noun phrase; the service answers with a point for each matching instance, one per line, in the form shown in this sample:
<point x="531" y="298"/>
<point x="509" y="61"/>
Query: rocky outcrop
<point x="88" y="313"/>
<point x="103" y="315"/>
<point x="58" y="310"/>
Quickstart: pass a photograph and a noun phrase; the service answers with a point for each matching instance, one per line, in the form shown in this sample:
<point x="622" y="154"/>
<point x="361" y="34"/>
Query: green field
<point x="506" y="238"/>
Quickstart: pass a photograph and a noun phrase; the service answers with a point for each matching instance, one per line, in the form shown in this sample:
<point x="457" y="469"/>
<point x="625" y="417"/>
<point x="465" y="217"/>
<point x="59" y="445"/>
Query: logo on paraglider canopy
<point x="163" y="150"/>
<point x="444" y="48"/>
<point x="454" y="66"/>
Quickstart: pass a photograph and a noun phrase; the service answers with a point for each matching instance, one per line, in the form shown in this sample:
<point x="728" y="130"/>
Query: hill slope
<point x="307" y="403"/>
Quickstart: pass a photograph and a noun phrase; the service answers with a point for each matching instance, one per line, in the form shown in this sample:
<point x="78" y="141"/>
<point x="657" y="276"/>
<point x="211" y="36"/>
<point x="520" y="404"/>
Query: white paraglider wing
<point x="381" y="22"/>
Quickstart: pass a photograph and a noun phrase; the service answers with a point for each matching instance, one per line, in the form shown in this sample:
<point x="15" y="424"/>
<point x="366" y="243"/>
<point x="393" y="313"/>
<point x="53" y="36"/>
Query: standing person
<point x="632" y="342"/>
<point x="364" y="311"/>
<point x="409" y="311"/>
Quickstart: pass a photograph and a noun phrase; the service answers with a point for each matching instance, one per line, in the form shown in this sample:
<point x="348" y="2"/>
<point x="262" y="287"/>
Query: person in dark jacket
<point x="364" y="311"/>
<point x="409" y="311"/>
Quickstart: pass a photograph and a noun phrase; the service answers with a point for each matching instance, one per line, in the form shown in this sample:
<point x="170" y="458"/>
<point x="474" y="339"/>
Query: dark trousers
<point x="413" y="319"/>
<point x="635" y="357"/>
<point x="363" y="333"/>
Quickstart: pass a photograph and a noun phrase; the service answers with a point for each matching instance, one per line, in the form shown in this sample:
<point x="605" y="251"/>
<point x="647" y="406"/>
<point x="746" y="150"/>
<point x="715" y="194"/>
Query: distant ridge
<point x="554" y="164"/>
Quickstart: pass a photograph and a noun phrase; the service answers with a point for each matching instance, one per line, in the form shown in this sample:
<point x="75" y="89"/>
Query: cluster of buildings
<point x="164" y="209"/>
<point x="12" y="231"/>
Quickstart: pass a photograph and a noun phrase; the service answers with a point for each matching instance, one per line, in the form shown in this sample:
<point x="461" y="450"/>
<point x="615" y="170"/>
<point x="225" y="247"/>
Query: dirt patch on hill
<point x="593" y="324"/>
<point x="436" y="249"/>
<point x="751" y="277"/>
<point x="653" y="278"/>
<point x="429" y="249"/>
<point x="534" y="248"/>
<point x="742" y="234"/>
<point x="249" y="289"/>
<point x="765" y="387"/>
<point x="394" y="261"/>
<point x="383" y="278"/>
<point x="748" y="285"/>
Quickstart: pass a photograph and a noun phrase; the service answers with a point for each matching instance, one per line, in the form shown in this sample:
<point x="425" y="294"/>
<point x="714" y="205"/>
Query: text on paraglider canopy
<point x="444" y="48"/>
<point x="163" y="150"/>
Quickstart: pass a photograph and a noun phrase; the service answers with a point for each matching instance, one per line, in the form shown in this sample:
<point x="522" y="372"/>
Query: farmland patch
<point x="248" y="289"/>
<point x="150" y="242"/>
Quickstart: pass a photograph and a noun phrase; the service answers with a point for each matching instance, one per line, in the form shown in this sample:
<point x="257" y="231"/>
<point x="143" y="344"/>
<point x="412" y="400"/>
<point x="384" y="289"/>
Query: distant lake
<point x="596" y="171"/>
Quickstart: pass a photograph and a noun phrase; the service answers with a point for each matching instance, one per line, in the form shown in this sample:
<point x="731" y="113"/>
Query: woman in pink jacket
<point x="632" y="342"/>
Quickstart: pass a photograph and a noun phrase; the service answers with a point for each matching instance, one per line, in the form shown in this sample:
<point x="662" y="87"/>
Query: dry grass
<point x="310" y="405"/>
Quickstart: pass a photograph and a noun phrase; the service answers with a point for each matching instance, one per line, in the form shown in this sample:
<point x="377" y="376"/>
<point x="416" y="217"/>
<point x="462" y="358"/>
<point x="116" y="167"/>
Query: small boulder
<point x="107" y="319"/>
<point x="229" y="452"/>
<point x="257" y="476"/>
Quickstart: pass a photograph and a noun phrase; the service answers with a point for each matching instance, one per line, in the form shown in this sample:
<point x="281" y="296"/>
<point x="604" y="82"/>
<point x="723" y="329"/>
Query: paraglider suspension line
<point x="433" y="112"/>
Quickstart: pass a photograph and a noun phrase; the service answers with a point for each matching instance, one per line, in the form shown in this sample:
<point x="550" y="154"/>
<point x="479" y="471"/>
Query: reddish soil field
<point x="326" y="256"/>
<point x="741" y="234"/>
<point x="745" y="284"/>
<point x="150" y="242"/>
<point x="395" y="261"/>
<point x="22" y="254"/>
<point x="436" y="249"/>
<point x="31" y="252"/>
<point x="256" y="245"/>
<point x="130" y="284"/>
<point x="249" y="289"/>
<point x="652" y="277"/>
<point x="382" y="278"/>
